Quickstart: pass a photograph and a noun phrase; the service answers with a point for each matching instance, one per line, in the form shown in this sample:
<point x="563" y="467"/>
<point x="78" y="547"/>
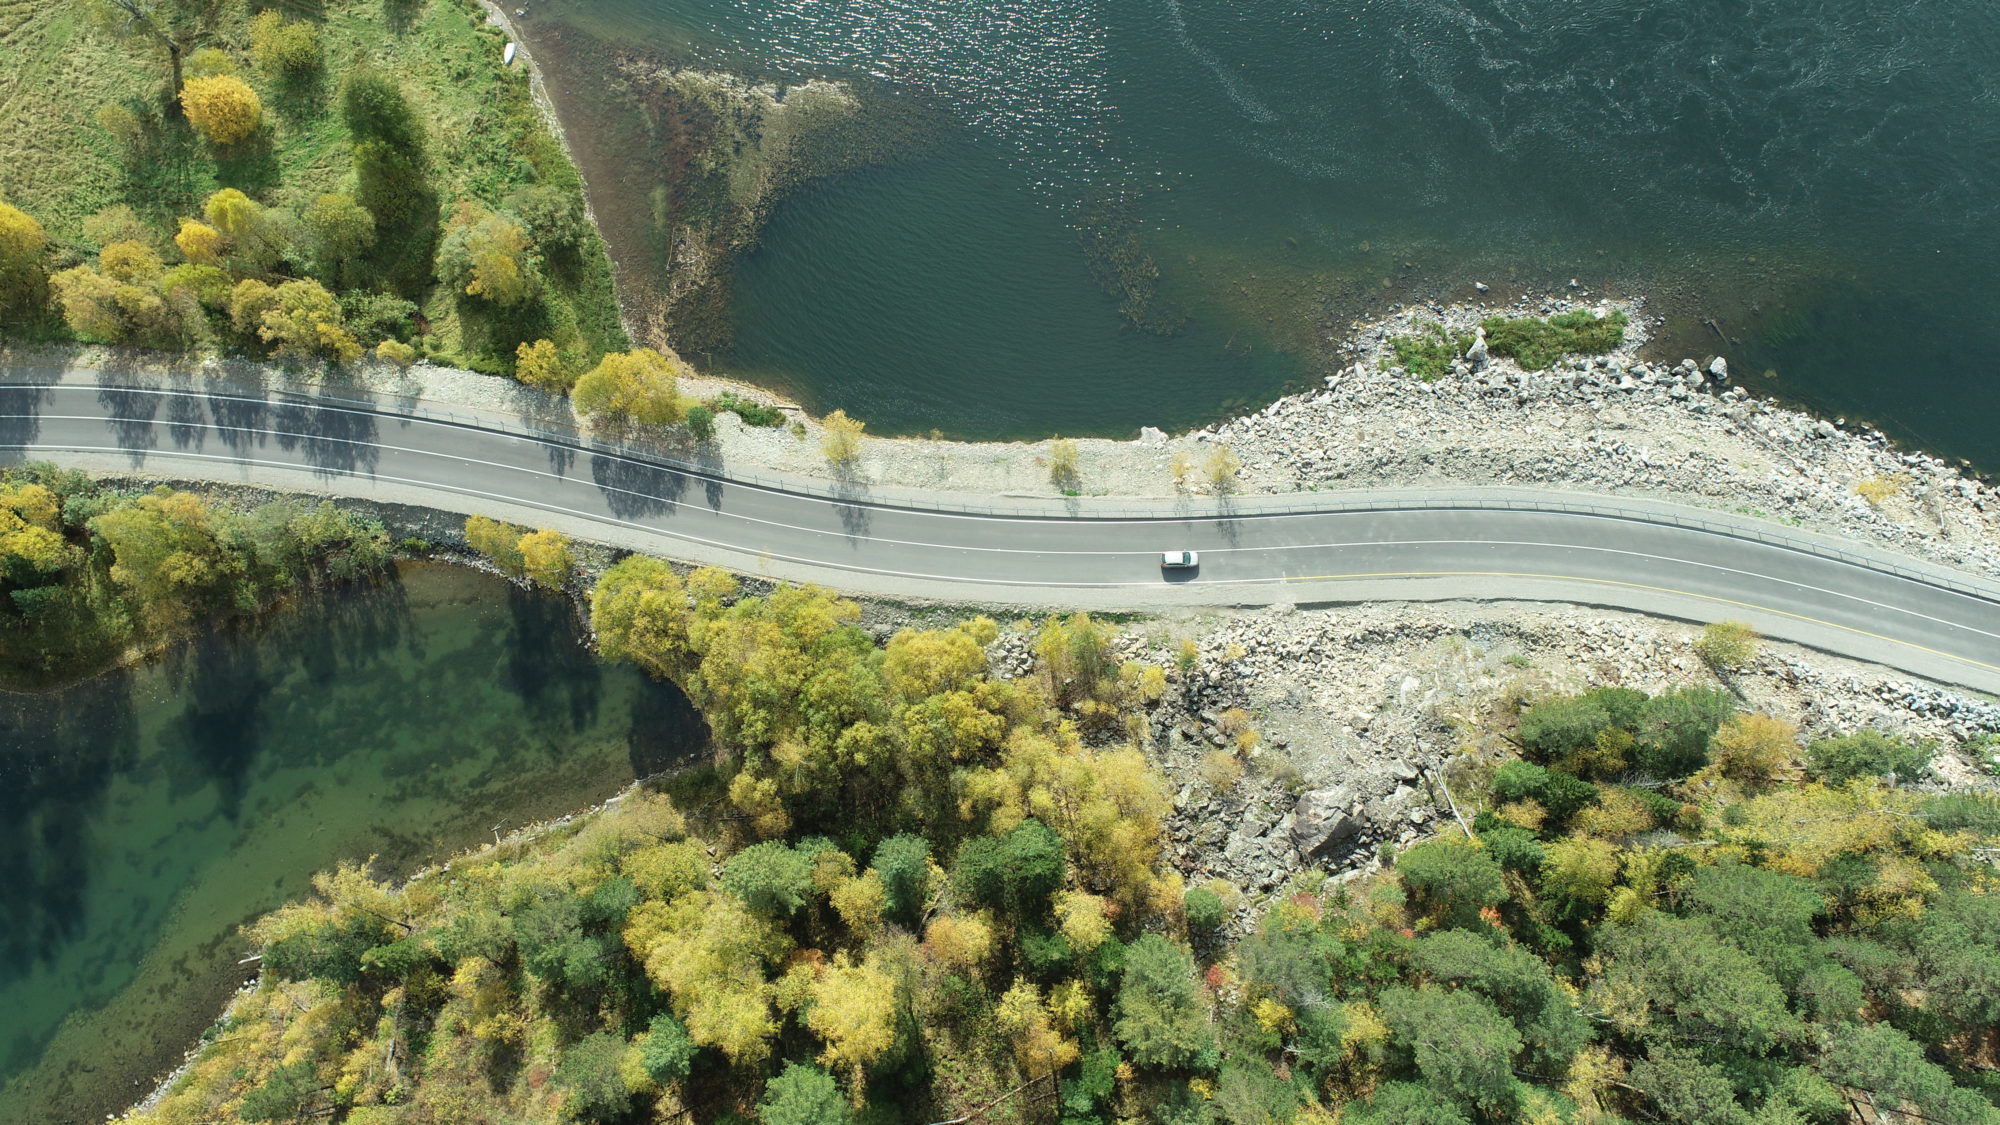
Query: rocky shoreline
<point x="1360" y="711"/>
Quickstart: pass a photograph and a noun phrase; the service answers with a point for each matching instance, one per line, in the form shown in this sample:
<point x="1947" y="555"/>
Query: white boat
<point x="507" y="56"/>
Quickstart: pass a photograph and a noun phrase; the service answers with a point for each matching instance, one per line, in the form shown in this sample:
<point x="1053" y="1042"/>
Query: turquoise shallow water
<point x="145" y="814"/>
<point x="1813" y="176"/>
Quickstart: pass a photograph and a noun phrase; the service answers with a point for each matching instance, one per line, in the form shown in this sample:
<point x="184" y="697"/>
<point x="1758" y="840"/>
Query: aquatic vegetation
<point x="1537" y="344"/>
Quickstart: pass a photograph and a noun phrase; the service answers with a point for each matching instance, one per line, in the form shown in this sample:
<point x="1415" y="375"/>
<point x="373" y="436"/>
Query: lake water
<point x="146" y="814"/>
<point x="1811" y="178"/>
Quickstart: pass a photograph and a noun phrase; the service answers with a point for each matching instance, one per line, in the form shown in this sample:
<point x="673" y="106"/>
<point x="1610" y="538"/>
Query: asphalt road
<point x="1441" y="548"/>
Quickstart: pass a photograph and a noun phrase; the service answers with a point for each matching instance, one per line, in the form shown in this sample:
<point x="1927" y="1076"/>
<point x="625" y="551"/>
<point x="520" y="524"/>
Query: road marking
<point x="1656" y="589"/>
<point x="1032" y="583"/>
<point x="568" y="480"/>
<point x="299" y="401"/>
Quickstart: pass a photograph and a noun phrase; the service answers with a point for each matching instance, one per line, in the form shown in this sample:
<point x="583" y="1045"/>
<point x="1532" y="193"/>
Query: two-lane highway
<point x="1445" y="548"/>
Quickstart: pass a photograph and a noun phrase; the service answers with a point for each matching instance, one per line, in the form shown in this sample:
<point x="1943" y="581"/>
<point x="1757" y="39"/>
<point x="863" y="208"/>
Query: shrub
<point x="1865" y="753"/>
<point x="1536" y="344"/>
<point x="1203" y="908"/>
<point x="396" y="353"/>
<point x="701" y="422"/>
<point x="1428" y="353"/>
<point x="1727" y="644"/>
<point x="752" y="413"/>
<point x="225" y="109"/>
<point x="284" y="48"/>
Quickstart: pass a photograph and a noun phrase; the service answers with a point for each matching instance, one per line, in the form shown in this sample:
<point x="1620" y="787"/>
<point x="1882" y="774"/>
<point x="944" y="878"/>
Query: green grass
<point x="486" y="140"/>
<point x="1429" y="351"/>
<point x="1536" y="344"/>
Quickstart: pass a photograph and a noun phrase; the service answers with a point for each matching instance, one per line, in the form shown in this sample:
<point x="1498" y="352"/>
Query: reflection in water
<point x="145" y="814"/>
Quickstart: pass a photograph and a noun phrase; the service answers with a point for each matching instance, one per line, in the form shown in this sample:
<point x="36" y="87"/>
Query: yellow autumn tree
<point x="545" y="557"/>
<point x="1030" y="1028"/>
<point x="487" y="254"/>
<point x="31" y="527"/>
<point x="641" y="385"/>
<point x="23" y="244"/>
<point x="223" y="107"/>
<point x="539" y="364"/>
<point x="199" y="242"/>
<point x="853" y="1012"/>
<point x="499" y="542"/>
<point x="842" y="441"/>
<point x="710" y="952"/>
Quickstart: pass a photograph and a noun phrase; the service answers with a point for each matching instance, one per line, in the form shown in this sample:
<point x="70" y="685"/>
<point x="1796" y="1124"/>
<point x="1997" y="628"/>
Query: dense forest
<point x="89" y="572"/>
<point x="909" y="891"/>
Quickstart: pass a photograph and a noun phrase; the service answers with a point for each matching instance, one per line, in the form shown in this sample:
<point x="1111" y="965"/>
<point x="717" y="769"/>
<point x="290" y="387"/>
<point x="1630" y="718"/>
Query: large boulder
<point x="1322" y="824"/>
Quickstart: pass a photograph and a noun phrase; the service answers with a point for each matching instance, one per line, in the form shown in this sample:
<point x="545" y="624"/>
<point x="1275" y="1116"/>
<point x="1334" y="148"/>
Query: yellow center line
<point x="1643" y="586"/>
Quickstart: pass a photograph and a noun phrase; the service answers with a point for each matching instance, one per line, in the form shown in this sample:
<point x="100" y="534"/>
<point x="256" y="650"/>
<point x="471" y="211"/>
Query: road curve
<point x="1924" y="620"/>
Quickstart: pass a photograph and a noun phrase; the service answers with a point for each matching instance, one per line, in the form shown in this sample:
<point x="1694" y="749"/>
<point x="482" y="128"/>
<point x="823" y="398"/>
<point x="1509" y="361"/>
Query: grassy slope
<point x="56" y="71"/>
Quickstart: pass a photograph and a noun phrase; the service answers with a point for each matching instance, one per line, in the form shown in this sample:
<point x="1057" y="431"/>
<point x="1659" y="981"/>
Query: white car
<point x="1179" y="560"/>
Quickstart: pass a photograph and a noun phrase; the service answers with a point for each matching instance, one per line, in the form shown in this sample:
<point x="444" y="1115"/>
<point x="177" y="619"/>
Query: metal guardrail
<point x="1247" y="506"/>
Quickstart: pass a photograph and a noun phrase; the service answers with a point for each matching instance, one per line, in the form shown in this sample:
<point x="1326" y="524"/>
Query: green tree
<point x="903" y="863"/>
<point x="1408" y="1103"/>
<point x="1865" y="753"/>
<point x="802" y="1095"/>
<point x="593" y="1089"/>
<point x="1454" y="881"/>
<point x="701" y="422"/>
<point x="1675" y="729"/>
<point x="1159" y="1015"/>
<point x="1687" y="1089"/>
<point x="554" y="217"/>
<point x="390" y="147"/>
<point x="1891" y="1067"/>
<point x="666" y="1052"/>
<point x="641" y="386"/>
<point x="1557" y="728"/>
<point x="1203" y="908"/>
<point x="1459" y="1042"/>
<point x="1678" y="974"/>
<point x="341" y="231"/>
<point x="771" y="878"/>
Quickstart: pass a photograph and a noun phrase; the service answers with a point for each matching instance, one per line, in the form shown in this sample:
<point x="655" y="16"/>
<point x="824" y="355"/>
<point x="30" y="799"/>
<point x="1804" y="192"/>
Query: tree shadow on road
<point x="635" y="490"/>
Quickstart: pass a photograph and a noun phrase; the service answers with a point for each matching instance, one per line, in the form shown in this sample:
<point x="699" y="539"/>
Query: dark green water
<point x="1812" y="175"/>
<point x="145" y="815"/>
